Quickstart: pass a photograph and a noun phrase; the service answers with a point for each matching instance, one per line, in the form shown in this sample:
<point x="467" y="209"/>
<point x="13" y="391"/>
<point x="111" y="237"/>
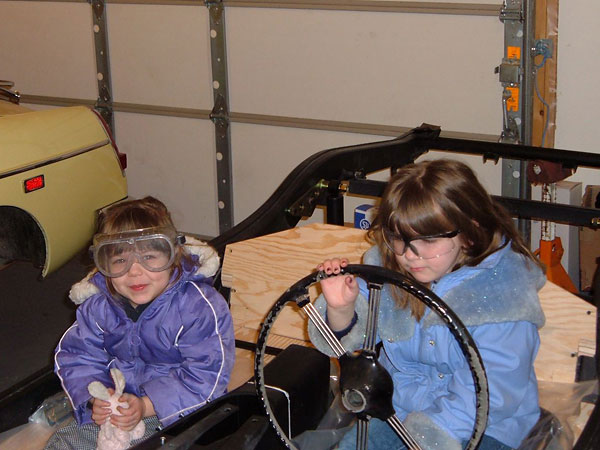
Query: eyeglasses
<point x="154" y="248"/>
<point x="424" y="247"/>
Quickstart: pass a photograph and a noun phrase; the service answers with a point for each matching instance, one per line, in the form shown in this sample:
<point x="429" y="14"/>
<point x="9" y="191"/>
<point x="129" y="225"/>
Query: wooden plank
<point x="243" y="369"/>
<point x="259" y="270"/>
<point x="546" y="27"/>
<point x="570" y="328"/>
<point x="274" y="340"/>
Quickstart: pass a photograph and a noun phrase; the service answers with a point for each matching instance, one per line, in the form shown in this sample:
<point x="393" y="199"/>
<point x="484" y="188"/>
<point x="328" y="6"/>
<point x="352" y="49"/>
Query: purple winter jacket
<point x="180" y="351"/>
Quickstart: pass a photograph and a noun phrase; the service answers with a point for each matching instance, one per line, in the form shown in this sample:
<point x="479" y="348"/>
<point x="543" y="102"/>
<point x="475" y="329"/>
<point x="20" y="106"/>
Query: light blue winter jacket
<point x="180" y="351"/>
<point x="433" y="386"/>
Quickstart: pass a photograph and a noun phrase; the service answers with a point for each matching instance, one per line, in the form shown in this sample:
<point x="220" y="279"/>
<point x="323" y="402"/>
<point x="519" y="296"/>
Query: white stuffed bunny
<point x="112" y="437"/>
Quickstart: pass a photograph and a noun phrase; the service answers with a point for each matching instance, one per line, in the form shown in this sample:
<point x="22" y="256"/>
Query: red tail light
<point x="33" y="184"/>
<point x="122" y="157"/>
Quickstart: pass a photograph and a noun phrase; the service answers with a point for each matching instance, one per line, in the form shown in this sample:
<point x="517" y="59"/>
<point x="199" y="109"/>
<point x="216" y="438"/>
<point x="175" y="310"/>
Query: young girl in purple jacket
<point x="148" y="309"/>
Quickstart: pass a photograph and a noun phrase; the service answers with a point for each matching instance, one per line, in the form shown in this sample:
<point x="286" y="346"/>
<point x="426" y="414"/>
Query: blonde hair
<point x="130" y="215"/>
<point x="439" y="196"/>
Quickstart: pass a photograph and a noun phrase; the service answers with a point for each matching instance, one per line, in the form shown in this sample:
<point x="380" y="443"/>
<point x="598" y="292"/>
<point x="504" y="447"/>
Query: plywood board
<point x="261" y="269"/>
<point x="243" y="370"/>
<point x="570" y="326"/>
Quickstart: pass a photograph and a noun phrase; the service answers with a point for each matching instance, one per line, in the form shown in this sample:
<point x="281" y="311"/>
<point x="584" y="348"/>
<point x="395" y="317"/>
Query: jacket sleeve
<point x="80" y="358"/>
<point x="207" y="346"/>
<point x="355" y="337"/>
<point x="508" y="351"/>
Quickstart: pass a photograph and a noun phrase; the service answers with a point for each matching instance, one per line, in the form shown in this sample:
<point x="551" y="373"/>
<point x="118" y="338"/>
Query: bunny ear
<point x="119" y="380"/>
<point x="98" y="390"/>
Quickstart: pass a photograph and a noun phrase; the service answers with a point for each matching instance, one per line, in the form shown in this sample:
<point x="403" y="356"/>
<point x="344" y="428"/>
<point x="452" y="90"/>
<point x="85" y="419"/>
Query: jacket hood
<point x="206" y="265"/>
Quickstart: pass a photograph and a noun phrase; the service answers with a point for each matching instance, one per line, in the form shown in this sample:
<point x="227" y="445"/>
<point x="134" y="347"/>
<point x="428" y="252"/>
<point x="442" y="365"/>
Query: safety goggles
<point x="153" y="248"/>
<point x="424" y="247"/>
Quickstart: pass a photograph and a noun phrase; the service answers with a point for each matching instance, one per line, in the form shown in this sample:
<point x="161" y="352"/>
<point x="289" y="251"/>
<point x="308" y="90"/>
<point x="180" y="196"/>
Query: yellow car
<point x="58" y="168"/>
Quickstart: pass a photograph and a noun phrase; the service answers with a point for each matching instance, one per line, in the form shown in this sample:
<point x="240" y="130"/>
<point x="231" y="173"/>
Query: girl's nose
<point x="135" y="269"/>
<point x="410" y="254"/>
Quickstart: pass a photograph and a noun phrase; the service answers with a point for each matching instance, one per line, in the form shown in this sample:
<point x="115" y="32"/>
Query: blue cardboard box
<point x="363" y="216"/>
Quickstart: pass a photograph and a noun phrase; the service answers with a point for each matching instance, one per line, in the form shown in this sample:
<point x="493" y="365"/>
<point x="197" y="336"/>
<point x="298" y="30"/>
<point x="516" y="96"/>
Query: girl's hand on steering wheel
<point x="340" y="292"/>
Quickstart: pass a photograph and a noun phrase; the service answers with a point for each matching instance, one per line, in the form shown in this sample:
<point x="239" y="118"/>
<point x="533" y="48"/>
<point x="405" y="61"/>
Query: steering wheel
<point x="366" y="386"/>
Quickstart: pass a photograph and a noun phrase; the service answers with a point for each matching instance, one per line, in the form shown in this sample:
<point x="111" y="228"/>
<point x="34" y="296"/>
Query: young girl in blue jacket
<point x="437" y="225"/>
<point x="148" y="309"/>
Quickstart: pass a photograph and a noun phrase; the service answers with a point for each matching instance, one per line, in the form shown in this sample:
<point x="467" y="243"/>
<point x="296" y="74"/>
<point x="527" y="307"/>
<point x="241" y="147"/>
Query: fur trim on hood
<point x="208" y="265"/>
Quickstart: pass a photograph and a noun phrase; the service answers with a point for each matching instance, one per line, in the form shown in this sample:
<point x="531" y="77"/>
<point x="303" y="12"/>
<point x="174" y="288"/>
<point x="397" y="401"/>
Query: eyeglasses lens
<point x="115" y="259"/>
<point x="422" y="247"/>
<point x="154" y="254"/>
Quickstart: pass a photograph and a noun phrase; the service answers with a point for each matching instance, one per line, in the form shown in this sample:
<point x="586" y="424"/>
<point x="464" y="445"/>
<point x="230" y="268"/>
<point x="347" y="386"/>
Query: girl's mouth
<point x="137" y="287"/>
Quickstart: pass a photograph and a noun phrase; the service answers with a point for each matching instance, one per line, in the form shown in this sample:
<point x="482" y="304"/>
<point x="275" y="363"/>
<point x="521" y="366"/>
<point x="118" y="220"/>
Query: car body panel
<point x="81" y="170"/>
<point x="7" y="108"/>
<point x="42" y="136"/>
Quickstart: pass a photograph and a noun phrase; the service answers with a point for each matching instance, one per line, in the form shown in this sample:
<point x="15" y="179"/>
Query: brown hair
<point x="134" y="214"/>
<point x="129" y="215"/>
<point x="439" y="196"/>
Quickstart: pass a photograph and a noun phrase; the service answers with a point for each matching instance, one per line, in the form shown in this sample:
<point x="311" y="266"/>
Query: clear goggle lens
<point x="424" y="247"/>
<point x="153" y="248"/>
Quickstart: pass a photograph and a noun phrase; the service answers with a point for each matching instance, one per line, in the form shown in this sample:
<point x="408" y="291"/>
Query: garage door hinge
<point x="220" y="112"/>
<point x="512" y="10"/>
<point x="97" y="7"/>
<point x="209" y="3"/>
